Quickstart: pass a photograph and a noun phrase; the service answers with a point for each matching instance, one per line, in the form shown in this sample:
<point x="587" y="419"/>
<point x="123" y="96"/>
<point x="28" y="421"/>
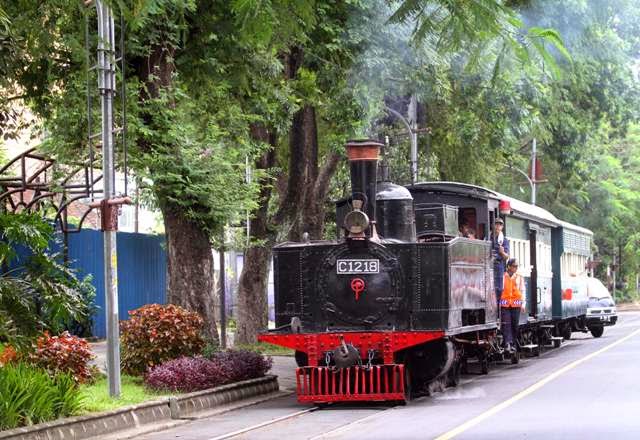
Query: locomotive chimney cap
<point x="363" y="149"/>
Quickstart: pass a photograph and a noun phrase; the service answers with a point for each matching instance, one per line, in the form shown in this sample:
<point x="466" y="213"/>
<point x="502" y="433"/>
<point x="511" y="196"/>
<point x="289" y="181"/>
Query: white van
<point x="601" y="310"/>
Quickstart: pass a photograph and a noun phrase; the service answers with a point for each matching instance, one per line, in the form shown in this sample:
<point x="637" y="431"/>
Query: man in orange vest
<point x="511" y="302"/>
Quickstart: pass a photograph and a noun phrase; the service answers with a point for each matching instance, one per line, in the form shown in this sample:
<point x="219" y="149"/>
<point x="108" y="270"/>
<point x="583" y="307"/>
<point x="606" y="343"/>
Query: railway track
<point x="285" y="419"/>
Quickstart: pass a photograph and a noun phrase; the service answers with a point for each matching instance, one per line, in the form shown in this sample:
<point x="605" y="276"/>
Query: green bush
<point x="29" y="395"/>
<point x="157" y="333"/>
<point x="37" y="291"/>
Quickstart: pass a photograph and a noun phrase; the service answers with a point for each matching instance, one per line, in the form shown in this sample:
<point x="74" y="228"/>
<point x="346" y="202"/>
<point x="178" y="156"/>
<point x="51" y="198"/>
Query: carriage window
<point x="573" y="264"/>
<point x="467" y="223"/>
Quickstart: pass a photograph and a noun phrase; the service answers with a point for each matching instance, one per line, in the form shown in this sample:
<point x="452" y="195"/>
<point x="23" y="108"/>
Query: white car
<point x="601" y="310"/>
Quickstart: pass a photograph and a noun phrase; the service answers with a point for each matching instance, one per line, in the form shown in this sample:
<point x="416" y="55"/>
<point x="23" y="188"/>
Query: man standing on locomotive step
<point x="511" y="303"/>
<point x="500" y="252"/>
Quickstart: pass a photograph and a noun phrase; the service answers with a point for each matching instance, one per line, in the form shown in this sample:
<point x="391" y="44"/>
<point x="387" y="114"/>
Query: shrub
<point x="64" y="354"/>
<point x="210" y="349"/>
<point x="188" y="374"/>
<point x="37" y="291"/>
<point x="67" y="397"/>
<point x="28" y="395"/>
<point x="8" y="354"/>
<point x="157" y="333"/>
<point x="244" y="364"/>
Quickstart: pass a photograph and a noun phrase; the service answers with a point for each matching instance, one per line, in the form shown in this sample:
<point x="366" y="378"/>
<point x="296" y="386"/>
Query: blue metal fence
<point x="142" y="270"/>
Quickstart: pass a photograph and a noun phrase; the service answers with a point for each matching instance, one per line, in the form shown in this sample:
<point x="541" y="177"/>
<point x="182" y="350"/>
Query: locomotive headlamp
<point x="356" y="222"/>
<point x="505" y="207"/>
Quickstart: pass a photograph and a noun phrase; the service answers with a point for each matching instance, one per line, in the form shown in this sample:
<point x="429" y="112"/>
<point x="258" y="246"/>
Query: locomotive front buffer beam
<point x="318" y="382"/>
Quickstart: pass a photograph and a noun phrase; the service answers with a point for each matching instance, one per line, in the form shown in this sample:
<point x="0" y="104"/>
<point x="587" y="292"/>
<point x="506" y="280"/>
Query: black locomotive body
<point x="384" y="286"/>
<point x="400" y="301"/>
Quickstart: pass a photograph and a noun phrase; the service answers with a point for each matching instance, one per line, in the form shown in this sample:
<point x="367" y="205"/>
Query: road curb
<point x="148" y="413"/>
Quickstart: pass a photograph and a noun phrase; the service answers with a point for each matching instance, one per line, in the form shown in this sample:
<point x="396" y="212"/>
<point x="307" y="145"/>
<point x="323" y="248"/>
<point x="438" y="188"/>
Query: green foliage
<point x="586" y="128"/>
<point x="157" y="333"/>
<point x="29" y="395"/>
<point x="67" y="398"/>
<point x="96" y="396"/>
<point x="489" y="76"/>
<point x="266" y="349"/>
<point x="196" y="165"/>
<point x="40" y="294"/>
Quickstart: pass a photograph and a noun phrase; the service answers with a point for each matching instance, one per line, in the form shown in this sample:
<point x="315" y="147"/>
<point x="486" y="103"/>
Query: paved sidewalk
<point x="628" y="307"/>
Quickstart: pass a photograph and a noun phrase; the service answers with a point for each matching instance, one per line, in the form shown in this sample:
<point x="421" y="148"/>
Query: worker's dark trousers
<point x="509" y="318"/>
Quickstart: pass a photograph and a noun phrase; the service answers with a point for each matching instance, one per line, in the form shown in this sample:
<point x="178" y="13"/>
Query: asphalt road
<point x="587" y="389"/>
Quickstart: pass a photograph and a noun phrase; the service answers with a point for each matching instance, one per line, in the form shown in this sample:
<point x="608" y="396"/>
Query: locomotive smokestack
<point x="363" y="163"/>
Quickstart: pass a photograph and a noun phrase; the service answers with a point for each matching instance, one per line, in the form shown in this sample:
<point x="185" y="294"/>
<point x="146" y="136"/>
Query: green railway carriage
<point x="571" y="252"/>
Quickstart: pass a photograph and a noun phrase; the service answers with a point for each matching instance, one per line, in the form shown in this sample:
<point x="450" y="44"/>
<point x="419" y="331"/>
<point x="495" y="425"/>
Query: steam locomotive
<point x="399" y="303"/>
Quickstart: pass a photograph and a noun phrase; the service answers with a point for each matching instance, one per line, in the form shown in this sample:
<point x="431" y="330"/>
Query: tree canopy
<point x="280" y="85"/>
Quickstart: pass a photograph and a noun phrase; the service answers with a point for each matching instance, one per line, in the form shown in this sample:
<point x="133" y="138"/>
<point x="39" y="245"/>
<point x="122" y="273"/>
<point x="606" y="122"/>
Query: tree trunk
<point x="302" y="207"/>
<point x="314" y="208"/>
<point x="303" y="169"/>
<point x="190" y="267"/>
<point x="189" y="258"/>
<point x="252" y="287"/>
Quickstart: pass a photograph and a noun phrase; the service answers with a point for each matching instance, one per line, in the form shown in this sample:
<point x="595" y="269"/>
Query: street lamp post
<point x="533" y="181"/>
<point x="533" y="172"/>
<point x="413" y="134"/>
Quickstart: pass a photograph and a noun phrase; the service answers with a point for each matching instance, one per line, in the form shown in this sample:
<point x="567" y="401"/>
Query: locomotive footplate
<point x="357" y="383"/>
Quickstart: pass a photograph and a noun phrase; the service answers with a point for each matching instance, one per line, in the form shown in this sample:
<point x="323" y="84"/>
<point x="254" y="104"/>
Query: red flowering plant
<point x="157" y="333"/>
<point x="64" y="354"/>
<point x="8" y="355"/>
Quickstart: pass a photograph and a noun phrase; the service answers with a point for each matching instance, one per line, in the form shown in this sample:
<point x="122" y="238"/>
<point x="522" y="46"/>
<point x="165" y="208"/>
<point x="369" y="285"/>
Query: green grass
<point x="267" y="349"/>
<point x="132" y="391"/>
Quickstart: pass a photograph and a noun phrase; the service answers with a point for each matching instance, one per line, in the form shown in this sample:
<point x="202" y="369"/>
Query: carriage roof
<point x="520" y="208"/>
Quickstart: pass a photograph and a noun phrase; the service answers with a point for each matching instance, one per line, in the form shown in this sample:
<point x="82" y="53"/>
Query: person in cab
<point x="500" y="251"/>
<point x="511" y="303"/>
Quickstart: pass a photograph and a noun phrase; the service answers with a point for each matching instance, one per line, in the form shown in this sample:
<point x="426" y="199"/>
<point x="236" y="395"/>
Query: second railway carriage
<point x="571" y="254"/>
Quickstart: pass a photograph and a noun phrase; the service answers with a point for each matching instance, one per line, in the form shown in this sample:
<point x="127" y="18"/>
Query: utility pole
<point x="223" y="299"/>
<point x="533" y="172"/>
<point x="247" y="178"/>
<point x="413" y="134"/>
<point x="532" y="179"/>
<point x="109" y="205"/>
<point x="413" y="127"/>
<point x="614" y="269"/>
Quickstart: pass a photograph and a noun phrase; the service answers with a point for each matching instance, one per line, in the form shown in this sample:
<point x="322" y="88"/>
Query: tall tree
<point x="336" y="102"/>
<point x="195" y="86"/>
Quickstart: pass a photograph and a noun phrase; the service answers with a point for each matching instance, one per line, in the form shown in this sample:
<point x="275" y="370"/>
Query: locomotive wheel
<point x="596" y="332"/>
<point x="566" y="332"/>
<point x="483" y="360"/>
<point x="464" y="366"/>
<point x="557" y="343"/>
<point x="515" y="357"/>
<point x="453" y="376"/>
<point x="408" y="383"/>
